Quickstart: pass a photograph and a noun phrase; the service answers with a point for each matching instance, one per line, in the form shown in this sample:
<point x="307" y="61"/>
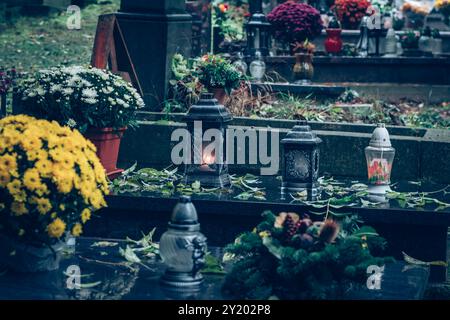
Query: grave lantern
<point x="208" y="164"/>
<point x="300" y="160"/>
<point x="183" y="247"/>
<point x="258" y="30"/>
<point x="379" y="157"/>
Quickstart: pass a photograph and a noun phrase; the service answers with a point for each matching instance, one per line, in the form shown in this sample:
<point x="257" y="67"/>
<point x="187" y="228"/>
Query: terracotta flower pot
<point x="303" y="68"/>
<point x="220" y="94"/>
<point x="107" y="141"/>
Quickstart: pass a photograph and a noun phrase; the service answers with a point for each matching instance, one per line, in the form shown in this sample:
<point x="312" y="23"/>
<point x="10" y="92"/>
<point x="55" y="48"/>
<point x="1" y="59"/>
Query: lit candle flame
<point x="208" y="159"/>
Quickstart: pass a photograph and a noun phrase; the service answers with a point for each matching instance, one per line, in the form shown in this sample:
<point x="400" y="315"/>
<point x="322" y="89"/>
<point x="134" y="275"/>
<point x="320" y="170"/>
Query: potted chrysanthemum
<point x="50" y="181"/>
<point x="98" y="103"/>
<point x="217" y="75"/>
<point x="293" y="22"/>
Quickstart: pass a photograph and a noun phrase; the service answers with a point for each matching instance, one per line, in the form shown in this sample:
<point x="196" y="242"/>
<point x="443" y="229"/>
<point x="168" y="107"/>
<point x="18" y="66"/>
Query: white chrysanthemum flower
<point x="40" y="91"/>
<point x="89" y="93"/>
<point x="71" y="123"/>
<point x="67" y="91"/>
<point x="55" y="87"/>
<point x="31" y="94"/>
<point x="74" y="81"/>
<point x="90" y="100"/>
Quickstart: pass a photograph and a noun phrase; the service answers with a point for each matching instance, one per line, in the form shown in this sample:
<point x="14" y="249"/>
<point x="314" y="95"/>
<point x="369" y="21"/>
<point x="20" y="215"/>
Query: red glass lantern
<point x="333" y="42"/>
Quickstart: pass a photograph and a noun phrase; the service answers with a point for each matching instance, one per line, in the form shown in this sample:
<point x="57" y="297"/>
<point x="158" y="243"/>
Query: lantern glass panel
<point x="176" y="254"/>
<point x="379" y="165"/>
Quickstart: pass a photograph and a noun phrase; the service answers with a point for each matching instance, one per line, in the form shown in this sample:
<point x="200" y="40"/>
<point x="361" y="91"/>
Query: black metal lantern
<point x="209" y="168"/>
<point x="300" y="160"/>
<point x="257" y="30"/>
<point x="183" y="247"/>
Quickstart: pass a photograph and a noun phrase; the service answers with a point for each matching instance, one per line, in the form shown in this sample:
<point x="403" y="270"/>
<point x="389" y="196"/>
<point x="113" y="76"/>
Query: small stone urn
<point x="303" y="68"/>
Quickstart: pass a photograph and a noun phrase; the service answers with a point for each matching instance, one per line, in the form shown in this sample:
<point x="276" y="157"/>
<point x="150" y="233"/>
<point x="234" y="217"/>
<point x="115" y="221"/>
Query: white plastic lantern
<point x="379" y="157"/>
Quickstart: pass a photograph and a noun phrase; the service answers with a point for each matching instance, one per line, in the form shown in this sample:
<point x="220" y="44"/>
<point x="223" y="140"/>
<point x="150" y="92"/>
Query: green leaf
<point x="129" y="255"/>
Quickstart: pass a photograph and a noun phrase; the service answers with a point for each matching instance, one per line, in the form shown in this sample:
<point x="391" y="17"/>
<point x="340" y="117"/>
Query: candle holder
<point x="258" y="30"/>
<point x="301" y="153"/>
<point x="379" y="156"/>
<point x="183" y="247"/>
<point x="209" y="168"/>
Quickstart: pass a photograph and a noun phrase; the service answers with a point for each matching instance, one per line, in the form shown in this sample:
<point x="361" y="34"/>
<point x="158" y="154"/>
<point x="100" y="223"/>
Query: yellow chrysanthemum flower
<point x="42" y="190"/>
<point x="57" y="154"/>
<point x="34" y="155"/>
<point x="43" y="205"/>
<point x="77" y="230"/>
<point x="20" y="196"/>
<point x="44" y="166"/>
<point x="14" y="187"/>
<point x="5" y="178"/>
<point x="8" y="162"/>
<point x="67" y="161"/>
<point x="96" y="200"/>
<point x="19" y="208"/>
<point x="31" y="179"/>
<point x="85" y="215"/>
<point x="31" y="143"/>
<point x="64" y="185"/>
<point x="56" y="228"/>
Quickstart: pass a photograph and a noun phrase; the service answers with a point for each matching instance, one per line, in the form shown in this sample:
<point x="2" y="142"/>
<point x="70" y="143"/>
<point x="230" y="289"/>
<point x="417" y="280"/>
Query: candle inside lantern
<point x="379" y="171"/>
<point x="208" y="159"/>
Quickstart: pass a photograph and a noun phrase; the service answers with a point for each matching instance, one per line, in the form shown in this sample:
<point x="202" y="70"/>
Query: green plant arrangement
<point x="410" y="40"/>
<point x="81" y="97"/>
<point x="185" y="88"/>
<point x="230" y="17"/>
<point x="292" y="257"/>
<point x="214" y="72"/>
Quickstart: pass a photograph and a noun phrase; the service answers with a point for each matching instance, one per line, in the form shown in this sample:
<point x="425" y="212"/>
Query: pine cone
<point x="329" y="231"/>
<point x="290" y="227"/>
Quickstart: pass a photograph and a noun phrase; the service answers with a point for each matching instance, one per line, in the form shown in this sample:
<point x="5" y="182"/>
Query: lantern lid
<point x="301" y="133"/>
<point x="208" y="109"/>
<point x="380" y="137"/>
<point x="258" y="19"/>
<point x="184" y="216"/>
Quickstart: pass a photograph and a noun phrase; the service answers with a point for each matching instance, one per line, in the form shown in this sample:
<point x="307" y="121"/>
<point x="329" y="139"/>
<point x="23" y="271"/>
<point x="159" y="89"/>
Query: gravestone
<point x="154" y="31"/>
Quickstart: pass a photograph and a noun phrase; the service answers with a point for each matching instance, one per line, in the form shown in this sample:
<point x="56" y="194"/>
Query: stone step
<point x="389" y="92"/>
<point x="393" y="92"/>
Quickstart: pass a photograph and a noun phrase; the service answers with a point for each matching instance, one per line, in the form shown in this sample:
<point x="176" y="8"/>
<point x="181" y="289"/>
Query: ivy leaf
<point x="196" y="185"/>
<point x="129" y="255"/>
<point x="130" y="169"/>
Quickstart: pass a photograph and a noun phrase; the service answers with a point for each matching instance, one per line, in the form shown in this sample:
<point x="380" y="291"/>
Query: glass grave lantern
<point x="257" y="29"/>
<point x="300" y="150"/>
<point x="379" y="157"/>
<point x="208" y="164"/>
<point x="183" y="247"/>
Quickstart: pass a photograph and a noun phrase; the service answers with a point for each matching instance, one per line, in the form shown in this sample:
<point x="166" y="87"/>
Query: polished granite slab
<point x="105" y="275"/>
